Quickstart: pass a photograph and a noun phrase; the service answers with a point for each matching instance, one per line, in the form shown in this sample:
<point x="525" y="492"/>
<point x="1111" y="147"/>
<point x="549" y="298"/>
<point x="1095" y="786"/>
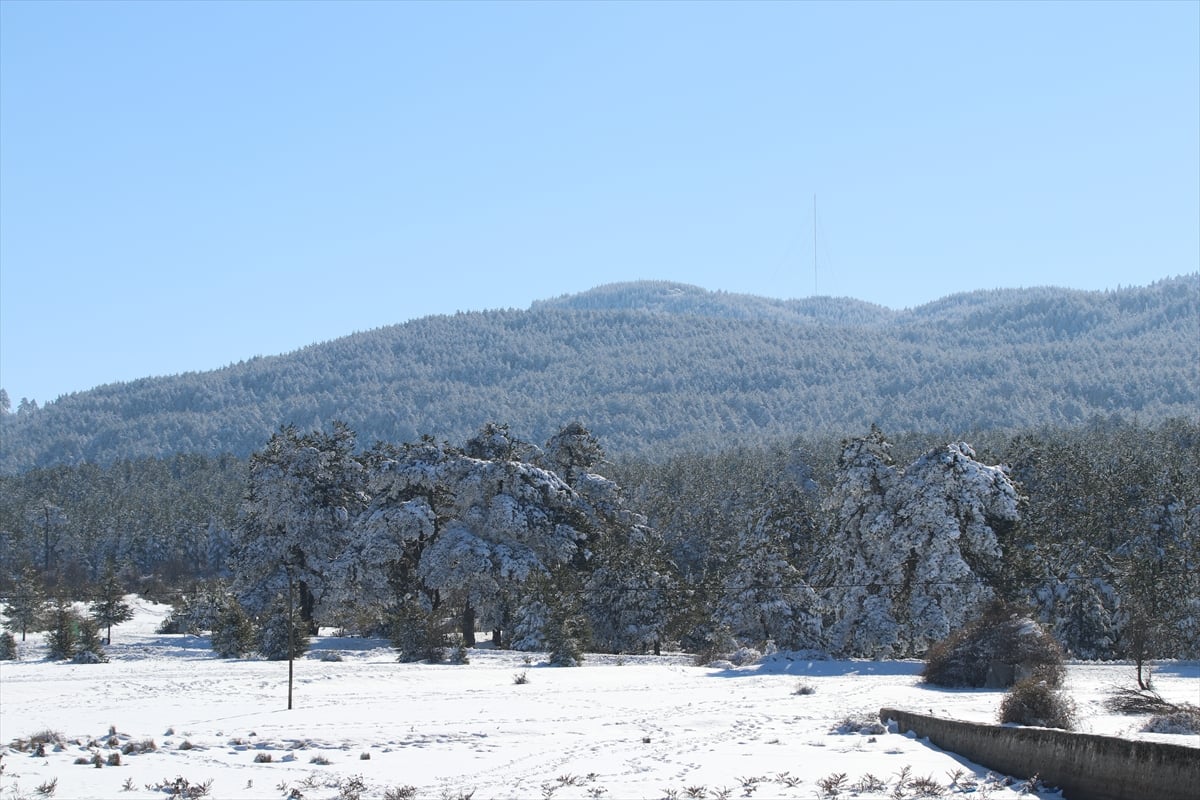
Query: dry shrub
<point x="1002" y="634"/>
<point x="1183" y="720"/>
<point x="1035" y="702"/>
<point x="1138" y="701"/>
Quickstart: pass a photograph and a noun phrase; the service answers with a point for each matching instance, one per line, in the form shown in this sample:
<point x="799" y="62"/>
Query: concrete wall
<point x="1084" y="766"/>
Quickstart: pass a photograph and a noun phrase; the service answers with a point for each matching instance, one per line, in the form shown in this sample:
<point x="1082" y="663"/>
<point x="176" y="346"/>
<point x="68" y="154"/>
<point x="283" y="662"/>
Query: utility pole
<point x="291" y="634"/>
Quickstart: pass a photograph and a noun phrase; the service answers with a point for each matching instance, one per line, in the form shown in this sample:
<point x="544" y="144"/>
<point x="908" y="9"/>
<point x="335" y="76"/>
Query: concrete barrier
<point x="1084" y="766"/>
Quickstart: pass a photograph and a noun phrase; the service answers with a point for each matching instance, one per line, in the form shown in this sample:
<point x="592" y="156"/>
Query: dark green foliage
<point x="418" y="636"/>
<point x="233" y="633"/>
<point x="109" y="608"/>
<point x="63" y="628"/>
<point x="89" y="649"/>
<point x="195" y="610"/>
<point x="8" y="647"/>
<point x="1004" y="640"/>
<point x="159" y="521"/>
<point x="273" y="632"/>
<point x="1034" y="702"/>
<point x="566" y="634"/>
<point x="26" y="604"/>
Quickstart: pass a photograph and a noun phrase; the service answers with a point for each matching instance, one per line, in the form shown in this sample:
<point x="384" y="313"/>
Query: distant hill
<point x="654" y="368"/>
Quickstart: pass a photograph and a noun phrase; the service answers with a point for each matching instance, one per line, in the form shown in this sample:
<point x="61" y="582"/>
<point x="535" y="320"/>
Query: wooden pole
<point x="291" y="642"/>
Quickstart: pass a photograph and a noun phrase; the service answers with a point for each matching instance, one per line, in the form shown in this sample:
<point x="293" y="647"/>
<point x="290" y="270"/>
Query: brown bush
<point x="1002" y="635"/>
<point x="1035" y="702"/>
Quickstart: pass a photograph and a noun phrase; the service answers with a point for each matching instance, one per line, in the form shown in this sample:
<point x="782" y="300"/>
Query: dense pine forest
<point x="658" y="369"/>
<point x="713" y="472"/>
<point x="862" y="546"/>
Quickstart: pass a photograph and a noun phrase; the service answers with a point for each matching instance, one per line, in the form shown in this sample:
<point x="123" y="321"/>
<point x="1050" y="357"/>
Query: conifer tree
<point x="88" y="647"/>
<point x="909" y="552"/>
<point x="765" y="598"/>
<point x="416" y="634"/>
<point x="26" y="606"/>
<point x="303" y="492"/>
<point x="273" y="632"/>
<point x="109" y="608"/>
<point x="233" y="633"/>
<point x="63" y="629"/>
<point x="859" y="563"/>
<point x="566" y="634"/>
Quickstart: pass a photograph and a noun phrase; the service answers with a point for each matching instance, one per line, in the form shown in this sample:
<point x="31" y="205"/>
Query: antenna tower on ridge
<point x="814" y="245"/>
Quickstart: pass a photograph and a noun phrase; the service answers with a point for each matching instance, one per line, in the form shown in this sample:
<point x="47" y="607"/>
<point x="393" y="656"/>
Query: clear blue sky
<point x="184" y="185"/>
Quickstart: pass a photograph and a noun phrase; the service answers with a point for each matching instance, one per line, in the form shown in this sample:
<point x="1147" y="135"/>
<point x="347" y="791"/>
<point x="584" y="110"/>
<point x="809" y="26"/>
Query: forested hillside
<point x="864" y="547"/>
<point x="655" y="369"/>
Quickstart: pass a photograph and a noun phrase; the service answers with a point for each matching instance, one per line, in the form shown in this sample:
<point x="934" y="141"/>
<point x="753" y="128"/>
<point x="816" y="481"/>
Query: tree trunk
<point x="497" y="638"/>
<point x="468" y="625"/>
<point x="307" y="605"/>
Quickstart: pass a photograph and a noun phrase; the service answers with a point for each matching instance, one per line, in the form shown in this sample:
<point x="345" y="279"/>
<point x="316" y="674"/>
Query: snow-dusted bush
<point x="1035" y="702"/>
<point x="1001" y="637"/>
<point x="862" y="723"/>
<point x="195" y="612"/>
<point x="88" y="647"/>
<point x="1184" y="720"/>
<point x="89" y="657"/>
<point x="745" y="656"/>
<point x="233" y="633"/>
<point x="417" y="636"/>
<point x="37" y="742"/>
<point x="8" y="647"/>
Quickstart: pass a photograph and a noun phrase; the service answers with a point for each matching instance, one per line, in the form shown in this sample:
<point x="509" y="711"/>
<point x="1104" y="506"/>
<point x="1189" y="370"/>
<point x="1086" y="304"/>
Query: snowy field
<point x="369" y="727"/>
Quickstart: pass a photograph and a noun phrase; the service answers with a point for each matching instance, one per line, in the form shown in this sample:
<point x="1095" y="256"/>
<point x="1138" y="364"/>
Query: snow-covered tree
<point x="1076" y="599"/>
<point x="566" y="633"/>
<point x="1157" y="584"/>
<point x="624" y="578"/>
<point x="63" y="630"/>
<point x="949" y="508"/>
<point x="859" y="563"/>
<point x="495" y="442"/>
<point x="911" y="550"/>
<point x="417" y="634"/>
<point x="765" y="598"/>
<point x="502" y="522"/>
<point x="627" y="593"/>
<point x="303" y="492"/>
<point x="89" y="649"/>
<point x="461" y="532"/>
<point x="574" y="452"/>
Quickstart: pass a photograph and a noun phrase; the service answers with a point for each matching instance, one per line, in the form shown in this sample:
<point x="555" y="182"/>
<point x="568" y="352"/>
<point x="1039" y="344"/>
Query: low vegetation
<point x="1035" y="702"/>
<point x="1167" y="717"/>
<point x="997" y="648"/>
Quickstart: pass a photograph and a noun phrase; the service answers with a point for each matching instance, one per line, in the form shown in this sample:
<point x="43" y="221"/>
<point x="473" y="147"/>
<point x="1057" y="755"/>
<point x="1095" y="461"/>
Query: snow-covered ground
<point x="369" y="727"/>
